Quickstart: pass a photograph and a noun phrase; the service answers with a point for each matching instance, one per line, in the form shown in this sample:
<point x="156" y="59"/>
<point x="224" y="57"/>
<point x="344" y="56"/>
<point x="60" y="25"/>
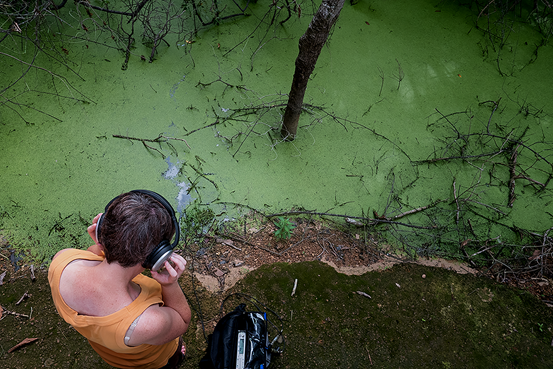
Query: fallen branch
<point x="515" y="176"/>
<point x="370" y="221"/>
<point x="414" y="210"/>
<point x="207" y="126"/>
<point x="14" y="313"/>
<point x="158" y="139"/>
<point x="455" y="157"/>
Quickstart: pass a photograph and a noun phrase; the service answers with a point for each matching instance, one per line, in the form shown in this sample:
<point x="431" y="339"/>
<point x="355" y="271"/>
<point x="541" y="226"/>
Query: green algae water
<point x="400" y="87"/>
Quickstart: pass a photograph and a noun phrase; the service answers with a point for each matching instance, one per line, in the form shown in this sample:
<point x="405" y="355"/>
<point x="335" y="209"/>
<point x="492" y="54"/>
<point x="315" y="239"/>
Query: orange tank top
<point x="106" y="334"/>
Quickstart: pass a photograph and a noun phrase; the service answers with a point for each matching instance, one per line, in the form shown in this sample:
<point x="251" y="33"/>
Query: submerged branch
<point x="158" y="139"/>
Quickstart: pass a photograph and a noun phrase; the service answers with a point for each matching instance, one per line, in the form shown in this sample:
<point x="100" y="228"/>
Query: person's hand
<point x="172" y="272"/>
<point x="92" y="229"/>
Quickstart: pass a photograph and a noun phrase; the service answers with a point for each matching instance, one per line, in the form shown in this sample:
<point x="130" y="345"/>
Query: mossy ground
<point x="445" y="320"/>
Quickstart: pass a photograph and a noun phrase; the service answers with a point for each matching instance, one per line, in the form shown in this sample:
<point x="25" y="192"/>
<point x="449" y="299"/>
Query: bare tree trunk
<point x="310" y="45"/>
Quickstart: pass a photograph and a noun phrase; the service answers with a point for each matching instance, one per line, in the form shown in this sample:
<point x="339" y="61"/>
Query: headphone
<point x="164" y="250"/>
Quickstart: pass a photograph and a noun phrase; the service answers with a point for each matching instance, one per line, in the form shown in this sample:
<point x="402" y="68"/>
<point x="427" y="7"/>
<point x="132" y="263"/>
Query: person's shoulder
<point x="76" y="252"/>
<point x="61" y="252"/>
<point x="155" y="327"/>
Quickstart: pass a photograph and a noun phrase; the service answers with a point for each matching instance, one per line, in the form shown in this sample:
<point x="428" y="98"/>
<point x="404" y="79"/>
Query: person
<point x="129" y="319"/>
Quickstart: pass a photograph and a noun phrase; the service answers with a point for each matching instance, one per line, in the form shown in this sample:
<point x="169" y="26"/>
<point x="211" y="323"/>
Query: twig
<point x="233" y="238"/>
<point x="370" y="221"/>
<point x="464" y="157"/>
<point x="486" y="249"/>
<point x="23" y="297"/>
<point x="14" y="313"/>
<point x="269" y="251"/>
<point x="512" y="168"/>
<point x="495" y="105"/>
<point x="63" y="79"/>
<point x="294" y="289"/>
<point x="485" y="205"/>
<point x="462" y="246"/>
<point x="203" y="176"/>
<point x="229" y="243"/>
<point x="207" y="126"/>
<point x="456" y="202"/>
<point x="303" y="238"/>
<point x="400" y="74"/>
<point x="158" y="139"/>
<point x="414" y="210"/>
<point x="382" y="78"/>
<point x="371" y="360"/>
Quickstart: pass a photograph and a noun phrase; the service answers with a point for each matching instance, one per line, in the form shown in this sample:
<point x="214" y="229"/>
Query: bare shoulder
<point x="157" y="326"/>
<point x="60" y="252"/>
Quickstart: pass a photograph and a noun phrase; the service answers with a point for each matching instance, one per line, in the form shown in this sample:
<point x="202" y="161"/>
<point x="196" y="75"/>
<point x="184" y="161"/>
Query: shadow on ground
<point x="416" y="316"/>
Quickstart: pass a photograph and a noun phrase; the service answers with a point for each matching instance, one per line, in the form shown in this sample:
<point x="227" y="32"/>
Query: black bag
<point x="240" y="340"/>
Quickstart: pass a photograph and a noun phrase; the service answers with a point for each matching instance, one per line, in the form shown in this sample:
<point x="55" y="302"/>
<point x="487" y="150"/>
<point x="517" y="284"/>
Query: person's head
<point x="132" y="226"/>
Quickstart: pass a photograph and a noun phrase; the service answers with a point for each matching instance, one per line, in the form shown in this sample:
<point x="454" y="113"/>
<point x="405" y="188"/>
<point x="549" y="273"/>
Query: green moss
<point x="443" y="320"/>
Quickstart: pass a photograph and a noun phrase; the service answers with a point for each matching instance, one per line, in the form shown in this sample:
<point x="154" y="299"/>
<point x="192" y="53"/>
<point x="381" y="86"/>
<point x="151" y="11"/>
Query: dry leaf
<point x="2" y="278"/>
<point x="535" y="255"/>
<point x="1" y="311"/>
<point x="26" y="341"/>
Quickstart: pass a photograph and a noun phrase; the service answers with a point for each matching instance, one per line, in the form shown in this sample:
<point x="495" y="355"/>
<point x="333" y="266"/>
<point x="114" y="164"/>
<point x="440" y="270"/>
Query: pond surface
<point x="398" y="83"/>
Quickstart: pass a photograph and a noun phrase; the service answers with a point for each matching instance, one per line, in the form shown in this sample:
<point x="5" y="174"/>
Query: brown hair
<point x="133" y="225"/>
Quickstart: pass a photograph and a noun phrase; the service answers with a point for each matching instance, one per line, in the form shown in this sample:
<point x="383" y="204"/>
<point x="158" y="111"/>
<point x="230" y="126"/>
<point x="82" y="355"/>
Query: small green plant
<point x="284" y="228"/>
<point x="196" y="223"/>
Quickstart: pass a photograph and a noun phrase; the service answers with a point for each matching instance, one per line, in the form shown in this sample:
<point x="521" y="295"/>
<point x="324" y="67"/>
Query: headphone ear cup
<point x="158" y="256"/>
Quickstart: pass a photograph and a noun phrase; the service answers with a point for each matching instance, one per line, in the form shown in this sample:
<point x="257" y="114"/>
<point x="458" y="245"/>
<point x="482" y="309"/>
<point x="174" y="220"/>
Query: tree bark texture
<point x="310" y="46"/>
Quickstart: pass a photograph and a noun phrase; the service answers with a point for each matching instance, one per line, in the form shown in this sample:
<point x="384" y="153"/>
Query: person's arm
<point x="161" y="324"/>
